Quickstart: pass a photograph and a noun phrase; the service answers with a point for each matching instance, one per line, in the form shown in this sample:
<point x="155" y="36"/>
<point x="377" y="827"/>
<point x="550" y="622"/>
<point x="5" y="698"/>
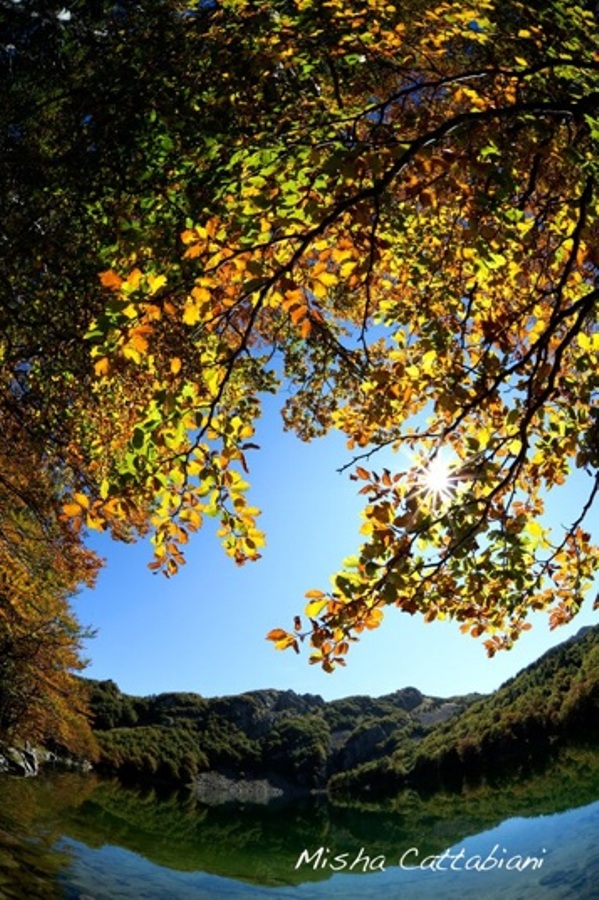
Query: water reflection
<point x="80" y="837"/>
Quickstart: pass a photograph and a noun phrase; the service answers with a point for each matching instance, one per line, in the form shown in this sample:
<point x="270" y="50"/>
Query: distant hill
<point x="261" y="744"/>
<point x="296" y="739"/>
<point x="551" y="703"/>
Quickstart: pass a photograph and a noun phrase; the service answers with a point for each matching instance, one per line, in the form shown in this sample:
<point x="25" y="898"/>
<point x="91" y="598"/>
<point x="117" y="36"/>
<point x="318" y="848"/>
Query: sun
<point x="437" y="481"/>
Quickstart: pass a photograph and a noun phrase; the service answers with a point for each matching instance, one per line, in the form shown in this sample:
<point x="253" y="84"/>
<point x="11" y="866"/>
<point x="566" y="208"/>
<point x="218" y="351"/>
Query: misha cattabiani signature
<point x="449" y="860"/>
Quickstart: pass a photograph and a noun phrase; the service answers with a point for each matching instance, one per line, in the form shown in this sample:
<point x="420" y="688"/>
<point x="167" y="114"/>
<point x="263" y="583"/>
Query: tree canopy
<point x="388" y="209"/>
<point x="42" y="562"/>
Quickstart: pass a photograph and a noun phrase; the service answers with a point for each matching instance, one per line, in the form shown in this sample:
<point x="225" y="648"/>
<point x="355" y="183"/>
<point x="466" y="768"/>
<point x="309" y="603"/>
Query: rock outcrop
<point x="216" y="788"/>
<point x="23" y="762"/>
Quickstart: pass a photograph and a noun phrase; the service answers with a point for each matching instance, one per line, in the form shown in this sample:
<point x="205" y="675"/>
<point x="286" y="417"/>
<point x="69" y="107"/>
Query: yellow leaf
<point x="155" y="282"/>
<point x="347" y="268"/>
<point x="319" y="290"/>
<point x="428" y="361"/>
<point x="130" y="352"/>
<point x="191" y="314"/>
<point x="285" y="642"/>
<point x="315" y="607"/>
<point x="340" y="256"/>
<point x="483" y="437"/>
<point x="175" y="365"/>
<point x="130" y="311"/>
<point x="327" y="278"/>
<point x="534" y="528"/>
<point x="82" y="500"/>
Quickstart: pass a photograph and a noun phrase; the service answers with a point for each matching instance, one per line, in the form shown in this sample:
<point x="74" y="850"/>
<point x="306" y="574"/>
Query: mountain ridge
<point x="548" y="704"/>
<point x="283" y="742"/>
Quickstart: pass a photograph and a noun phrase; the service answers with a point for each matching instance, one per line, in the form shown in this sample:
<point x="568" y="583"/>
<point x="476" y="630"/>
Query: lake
<point x="79" y="837"/>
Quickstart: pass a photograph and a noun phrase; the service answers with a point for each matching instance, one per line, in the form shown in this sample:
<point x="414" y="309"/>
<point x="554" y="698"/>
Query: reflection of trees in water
<point x="31" y="821"/>
<point x="259" y="844"/>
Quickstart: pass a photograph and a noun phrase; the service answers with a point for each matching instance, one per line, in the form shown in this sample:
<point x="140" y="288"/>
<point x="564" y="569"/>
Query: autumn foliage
<point x="41" y="564"/>
<point x="391" y="211"/>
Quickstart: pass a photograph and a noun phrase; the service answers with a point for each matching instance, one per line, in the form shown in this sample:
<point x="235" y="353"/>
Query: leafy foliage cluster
<point x="41" y="564"/>
<point x="456" y="129"/>
<point x="390" y="210"/>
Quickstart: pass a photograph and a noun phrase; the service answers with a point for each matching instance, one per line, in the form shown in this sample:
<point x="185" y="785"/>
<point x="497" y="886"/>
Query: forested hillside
<point x="357" y="745"/>
<point x="553" y="702"/>
<point x="301" y="738"/>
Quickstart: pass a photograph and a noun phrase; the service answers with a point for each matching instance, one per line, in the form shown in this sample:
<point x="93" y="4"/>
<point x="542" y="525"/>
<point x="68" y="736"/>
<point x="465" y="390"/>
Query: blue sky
<point x="204" y="630"/>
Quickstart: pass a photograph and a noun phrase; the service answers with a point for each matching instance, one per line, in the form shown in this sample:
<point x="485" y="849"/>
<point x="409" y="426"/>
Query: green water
<point x="82" y="838"/>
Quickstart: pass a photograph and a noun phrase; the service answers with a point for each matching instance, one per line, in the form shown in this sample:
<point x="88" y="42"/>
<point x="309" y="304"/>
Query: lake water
<point x="82" y="838"/>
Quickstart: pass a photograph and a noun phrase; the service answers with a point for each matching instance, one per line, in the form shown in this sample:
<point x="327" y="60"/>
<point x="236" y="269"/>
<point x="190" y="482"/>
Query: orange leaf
<point x="299" y="313"/>
<point x="201" y="294"/>
<point x="134" y="278"/>
<point x="293" y="297"/>
<point x="111" y="280"/>
<point x="102" y="366"/>
<point x="71" y="510"/>
<point x="277" y="634"/>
